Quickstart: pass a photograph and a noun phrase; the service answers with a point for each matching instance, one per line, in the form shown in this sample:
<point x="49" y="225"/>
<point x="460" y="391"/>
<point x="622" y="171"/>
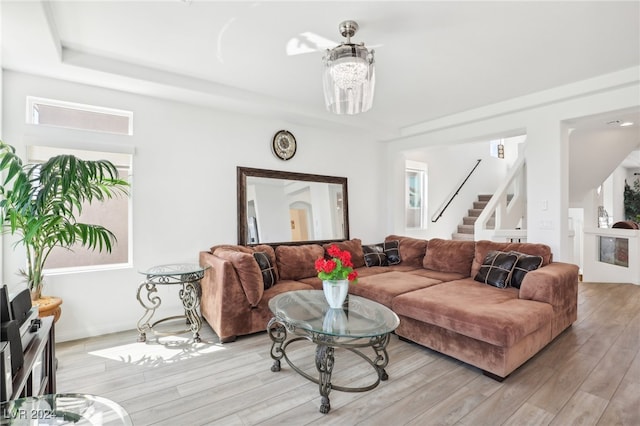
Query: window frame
<point x="123" y="161"/>
<point x="31" y="110"/>
<point x="420" y="168"/>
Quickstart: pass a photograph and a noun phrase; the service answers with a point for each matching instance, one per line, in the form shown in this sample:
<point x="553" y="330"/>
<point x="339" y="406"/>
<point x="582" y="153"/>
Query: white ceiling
<point x="432" y="58"/>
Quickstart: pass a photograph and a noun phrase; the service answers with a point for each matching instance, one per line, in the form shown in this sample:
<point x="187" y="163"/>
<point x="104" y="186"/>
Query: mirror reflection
<point x="290" y="207"/>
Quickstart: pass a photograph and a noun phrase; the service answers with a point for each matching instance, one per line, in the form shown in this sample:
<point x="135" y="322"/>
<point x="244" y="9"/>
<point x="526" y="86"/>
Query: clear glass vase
<point x="335" y="291"/>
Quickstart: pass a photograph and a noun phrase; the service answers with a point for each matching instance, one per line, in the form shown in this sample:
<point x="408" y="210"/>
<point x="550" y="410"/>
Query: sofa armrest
<point x="222" y="293"/>
<point x="555" y="283"/>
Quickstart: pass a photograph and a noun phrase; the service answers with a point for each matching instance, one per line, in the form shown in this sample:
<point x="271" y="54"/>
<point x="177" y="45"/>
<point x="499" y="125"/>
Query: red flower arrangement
<point x="339" y="267"/>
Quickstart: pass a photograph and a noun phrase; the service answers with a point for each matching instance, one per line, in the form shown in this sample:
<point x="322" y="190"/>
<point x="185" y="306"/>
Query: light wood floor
<point x="590" y="375"/>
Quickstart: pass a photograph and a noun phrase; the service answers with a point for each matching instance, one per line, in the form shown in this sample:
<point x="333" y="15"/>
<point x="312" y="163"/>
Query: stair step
<point x="470" y="220"/>
<point x="479" y="204"/>
<point x="466" y="229"/>
<point x="465" y="237"/>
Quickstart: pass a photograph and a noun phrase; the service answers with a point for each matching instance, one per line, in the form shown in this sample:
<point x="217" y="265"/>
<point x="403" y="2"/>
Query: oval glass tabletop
<point x="308" y="310"/>
<point x="62" y="409"/>
<point x="173" y="269"/>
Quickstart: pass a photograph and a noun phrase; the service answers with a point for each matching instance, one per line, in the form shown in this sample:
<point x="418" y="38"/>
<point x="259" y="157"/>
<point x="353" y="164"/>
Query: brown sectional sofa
<point x="432" y="290"/>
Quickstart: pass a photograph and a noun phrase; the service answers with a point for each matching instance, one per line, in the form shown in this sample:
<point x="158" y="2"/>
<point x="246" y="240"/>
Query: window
<point x="114" y="214"/>
<point x="50" y="112"/>
<point x="415" y="194"/>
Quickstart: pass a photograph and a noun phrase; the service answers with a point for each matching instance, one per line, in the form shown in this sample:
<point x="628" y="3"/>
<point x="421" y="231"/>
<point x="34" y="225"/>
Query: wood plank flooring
<point x="589" y="375"/>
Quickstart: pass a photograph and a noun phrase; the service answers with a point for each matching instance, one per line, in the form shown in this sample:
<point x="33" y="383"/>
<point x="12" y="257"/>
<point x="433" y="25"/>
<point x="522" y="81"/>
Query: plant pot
<point x="335" y="291"/>
<point x="49" y="306"/>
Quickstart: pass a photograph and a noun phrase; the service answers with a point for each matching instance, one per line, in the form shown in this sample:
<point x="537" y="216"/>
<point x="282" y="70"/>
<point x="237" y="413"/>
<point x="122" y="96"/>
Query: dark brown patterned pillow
<point x="392" y="251"/>
<point x="374" y="255"/>
<point x="496" y="268"/>
<point x="524" y="264"/>
<point x="266" y="268"/>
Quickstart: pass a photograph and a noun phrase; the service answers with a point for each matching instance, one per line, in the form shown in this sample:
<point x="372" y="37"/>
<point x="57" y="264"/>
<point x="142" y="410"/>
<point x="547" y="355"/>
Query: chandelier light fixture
<point x="349" y="74"/>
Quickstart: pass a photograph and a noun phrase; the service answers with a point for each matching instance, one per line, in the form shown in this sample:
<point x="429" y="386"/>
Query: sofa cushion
<point x="248" y="272"/>
<point x="297" y="262"/>
<point x="524" y="264"/>
<point x="266" y="268"/>
<point x="496" y="269"/>
<point x="384" y="287"/>
<point x="450" y="256"/>
<point x="438" y="275"/>
<point x="314" y="282"/>
<point x="483" y="247"/>
<point x="479" y="311"/>
<point x="354" y="247"/>
<point x="391" y="250"/>
<point x="412" y="250"/>
<point x="367" y="271"/>
<point x="374" y="255"/>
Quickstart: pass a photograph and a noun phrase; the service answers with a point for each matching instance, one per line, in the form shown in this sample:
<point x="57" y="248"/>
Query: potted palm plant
<point x="40" y="203"/>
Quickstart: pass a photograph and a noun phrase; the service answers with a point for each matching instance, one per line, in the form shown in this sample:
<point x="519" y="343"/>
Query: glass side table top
<point x="173" y="269"/>
<point x="63" y="409"/>
<point x="308" y="310"/>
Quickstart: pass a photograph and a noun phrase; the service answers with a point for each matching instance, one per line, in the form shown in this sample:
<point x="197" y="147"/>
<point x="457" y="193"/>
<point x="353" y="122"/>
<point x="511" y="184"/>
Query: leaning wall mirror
<point x="277" y="207"/>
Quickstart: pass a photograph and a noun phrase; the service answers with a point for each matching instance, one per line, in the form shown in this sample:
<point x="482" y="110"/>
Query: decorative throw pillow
<point x="267" y="270"/>
<point x="392" y="251"/>
<point x="524" y="264"/>
<point x="497" y="268"/>
<point x="374" y="255"/>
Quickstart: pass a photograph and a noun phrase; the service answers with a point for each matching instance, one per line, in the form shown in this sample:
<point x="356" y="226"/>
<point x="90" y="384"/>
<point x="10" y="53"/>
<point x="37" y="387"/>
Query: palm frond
<point x="41" y="201"/>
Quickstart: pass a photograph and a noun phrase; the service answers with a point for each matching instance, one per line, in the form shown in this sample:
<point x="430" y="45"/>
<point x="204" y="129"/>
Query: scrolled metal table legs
<point x="150" y="303"/>
<point x="278" y="335"/>
<point x="324" y="364"/>
<point x="190" y="297"/>
<point x="382" y="358"/>
<point x="325" y="359"/>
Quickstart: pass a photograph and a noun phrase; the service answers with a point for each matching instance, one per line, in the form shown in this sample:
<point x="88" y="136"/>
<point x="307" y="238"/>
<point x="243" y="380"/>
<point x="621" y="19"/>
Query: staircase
<point x="467" y="229"/>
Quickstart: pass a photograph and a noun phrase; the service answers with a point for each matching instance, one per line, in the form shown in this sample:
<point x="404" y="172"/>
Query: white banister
<point x="507" y="206"/>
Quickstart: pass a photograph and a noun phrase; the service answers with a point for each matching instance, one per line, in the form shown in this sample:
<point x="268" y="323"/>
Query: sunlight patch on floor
<point x="155" y="353"/>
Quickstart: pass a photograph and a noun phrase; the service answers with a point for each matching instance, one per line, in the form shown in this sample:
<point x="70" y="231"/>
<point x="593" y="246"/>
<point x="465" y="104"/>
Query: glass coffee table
<point x="305" y="315"/>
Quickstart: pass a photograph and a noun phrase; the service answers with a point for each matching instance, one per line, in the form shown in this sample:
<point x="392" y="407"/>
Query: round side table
<point x="187" y="277"/>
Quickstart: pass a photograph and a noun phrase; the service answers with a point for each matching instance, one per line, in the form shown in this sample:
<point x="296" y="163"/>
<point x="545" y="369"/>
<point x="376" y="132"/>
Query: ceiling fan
<point x="310" y="42"/>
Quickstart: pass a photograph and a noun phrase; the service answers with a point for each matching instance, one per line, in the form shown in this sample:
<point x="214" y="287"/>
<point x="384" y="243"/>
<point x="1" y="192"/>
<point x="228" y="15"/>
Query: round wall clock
<point x="284" y="145"/>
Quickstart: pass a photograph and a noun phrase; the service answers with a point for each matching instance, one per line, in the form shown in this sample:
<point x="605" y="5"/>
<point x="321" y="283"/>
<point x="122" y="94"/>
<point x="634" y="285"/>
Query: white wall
<point x="1" y="132"/>
<point x="595" y="155"/>
<point x="541" y="116"/>
<point x="184" y="188"/>
<point x="447" y="167"/>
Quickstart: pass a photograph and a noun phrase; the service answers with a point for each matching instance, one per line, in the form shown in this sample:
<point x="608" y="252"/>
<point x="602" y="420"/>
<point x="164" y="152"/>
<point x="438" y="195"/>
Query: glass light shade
<point x="349" y="79"/>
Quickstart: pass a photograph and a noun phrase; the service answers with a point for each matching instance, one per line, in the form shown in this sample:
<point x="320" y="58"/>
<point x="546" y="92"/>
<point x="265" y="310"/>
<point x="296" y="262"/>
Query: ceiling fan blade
<point x="309" y="42"/>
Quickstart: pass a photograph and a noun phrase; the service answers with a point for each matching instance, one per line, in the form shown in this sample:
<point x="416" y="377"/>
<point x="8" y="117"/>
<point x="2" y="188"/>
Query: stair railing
<point x="438" y="214"/>
<point x="506" y="206"/>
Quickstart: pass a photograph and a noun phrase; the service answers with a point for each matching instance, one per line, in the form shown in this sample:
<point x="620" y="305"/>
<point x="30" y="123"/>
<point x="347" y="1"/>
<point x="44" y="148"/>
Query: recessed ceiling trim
<point x="53" y="28"/>
<point x="620" y="79"/>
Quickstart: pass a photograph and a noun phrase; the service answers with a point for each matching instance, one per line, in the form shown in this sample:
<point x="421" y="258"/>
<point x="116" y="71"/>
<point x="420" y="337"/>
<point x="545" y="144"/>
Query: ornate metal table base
<point x="325" y="345"/>
<point x="188" y="276"/>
